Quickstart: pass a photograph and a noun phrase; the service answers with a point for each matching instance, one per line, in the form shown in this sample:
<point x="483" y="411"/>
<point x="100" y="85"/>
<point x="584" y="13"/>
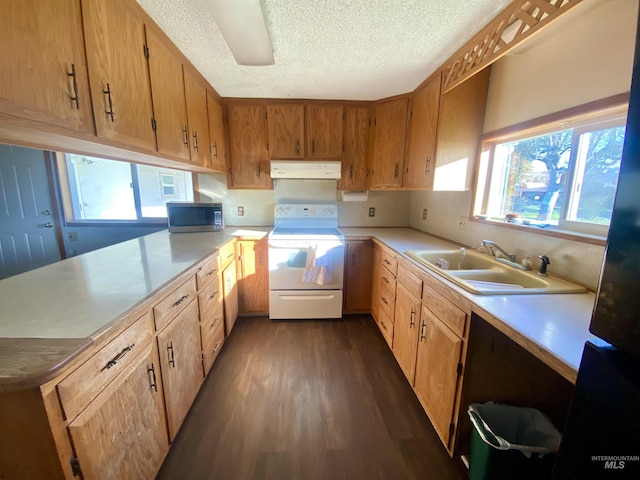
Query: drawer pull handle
<point x="384" y="300"/>
<point x="412" y="323"/>
<point x="387" y="261"/>
<point x="214" y="323"/>
<point x="385" y="280"/>
<point x="211" y="272"/>
<point x="172" y="360"/>
<point x="422" y="331"/>
<point x="215" y="349"/>
<point x="383" y="325"/>
<point x="182" y="299"/>
<point x="214" y="295"/>
<point x="119" y="356"/>
<point x="154" y="383"/>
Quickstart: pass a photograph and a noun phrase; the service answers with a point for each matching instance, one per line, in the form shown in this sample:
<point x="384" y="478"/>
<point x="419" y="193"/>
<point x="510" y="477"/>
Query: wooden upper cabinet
<point x="217" y="141"/>
<point x="460" y="126"/>
<point x="169" y="108"/>
<point x="248" y="145"/>
<point x="325" y="130"/>
<point x="43" y="64"/>
<point x="354" y="161"/>
<point x="420" y="163"/>
<point x="120" y="91"/>
<point x="285" y="124"/>
<point x="389" y="132"/>
<point x="196" y="97"/>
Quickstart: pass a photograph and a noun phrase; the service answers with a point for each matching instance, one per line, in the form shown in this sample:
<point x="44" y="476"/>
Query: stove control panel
<point x="318" y="211"/>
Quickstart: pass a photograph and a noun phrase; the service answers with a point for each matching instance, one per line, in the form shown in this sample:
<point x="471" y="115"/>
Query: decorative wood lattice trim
<point x="515" y="23"/>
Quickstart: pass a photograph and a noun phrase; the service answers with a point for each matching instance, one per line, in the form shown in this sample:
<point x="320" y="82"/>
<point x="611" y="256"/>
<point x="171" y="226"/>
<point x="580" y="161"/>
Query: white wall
<point x="586" y="58"/>
<point x="392" y="208"/>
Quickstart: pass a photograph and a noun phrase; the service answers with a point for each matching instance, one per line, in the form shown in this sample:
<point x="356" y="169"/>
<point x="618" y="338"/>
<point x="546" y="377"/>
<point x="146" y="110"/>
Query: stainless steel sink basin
<point x="483" y="275"/>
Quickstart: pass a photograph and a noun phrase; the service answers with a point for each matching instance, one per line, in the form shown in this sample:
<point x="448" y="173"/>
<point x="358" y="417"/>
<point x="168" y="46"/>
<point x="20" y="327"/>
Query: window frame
<point x="67" y="194"/>
<point x="583" y="118"/>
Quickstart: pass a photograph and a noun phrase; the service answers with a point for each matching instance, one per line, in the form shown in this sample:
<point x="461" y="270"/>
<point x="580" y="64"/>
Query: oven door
<point x="288" y="262"/>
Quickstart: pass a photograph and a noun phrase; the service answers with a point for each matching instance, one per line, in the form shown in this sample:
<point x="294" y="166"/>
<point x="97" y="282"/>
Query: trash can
<point x="510" y="442"/>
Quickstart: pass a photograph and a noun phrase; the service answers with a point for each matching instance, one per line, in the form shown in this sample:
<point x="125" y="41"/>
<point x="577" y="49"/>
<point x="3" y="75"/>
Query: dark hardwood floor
<point x="307" y="400"/>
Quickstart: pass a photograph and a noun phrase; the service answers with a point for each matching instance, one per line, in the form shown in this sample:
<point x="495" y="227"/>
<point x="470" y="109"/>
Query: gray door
<point x="27" y="230"/>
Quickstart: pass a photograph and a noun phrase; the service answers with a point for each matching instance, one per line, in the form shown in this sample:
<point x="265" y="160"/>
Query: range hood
<point x="313" y="169"/>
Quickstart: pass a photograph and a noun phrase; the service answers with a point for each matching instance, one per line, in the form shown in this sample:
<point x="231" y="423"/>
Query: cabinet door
<point x="169" y="108"/>
<point x="387" y="160"/>
<point x="325" y="130"/>
<point x="405" y="331"/>
<point x="354" y="161"/>
<point x="43" y="64"/>
<point x="120" y="92"/>
<point x="420" y="163"/>
<point x="196" y="96"/>
<point x="123" y="433"/>
<point x="229" y="285"/>
<point x="181" y="362"/>
<point x="437" y="371"/>
<point x="359" y="269"/>
<point x="377" y="278"/>
<point x="253" y="278"/>
<point x="285" y="124"/>
<point x="217" y="142"/>
<point x="248" y="143"/>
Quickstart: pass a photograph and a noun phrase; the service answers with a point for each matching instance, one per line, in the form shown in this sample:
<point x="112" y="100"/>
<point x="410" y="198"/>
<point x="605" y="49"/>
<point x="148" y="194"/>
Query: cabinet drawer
<point x="451" y="315"/>
<point x="211" y="350"/>
<point x="387" y="302"/>
<point x="387" y="280"/>
<point x="84" y="384"/>
<point x="207" y="272"/>
<point x="412" y="283"/>
<point x="227" y="254"/>
<point x="389" y="262"/>
<point x="386" y="327"/>
<point x="210" y="324"/>
<point x="167" y="309"/>
<point x="210" y="299"/>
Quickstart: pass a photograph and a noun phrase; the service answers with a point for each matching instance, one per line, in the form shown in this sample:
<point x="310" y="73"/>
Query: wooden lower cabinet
<point x="181" y="363"/>
<point x="406" y="330"/>
<point x="358" y="276"/>
<point x="253" y="276"/>
<point x="230" y="289"/>
<point x="122" y="434"/>
<point x="438" y="368"/>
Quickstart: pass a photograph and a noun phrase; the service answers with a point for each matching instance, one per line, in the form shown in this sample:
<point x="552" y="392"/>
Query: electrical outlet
<point x="372" y="211"/>
<point x="462" y="223"/>
<point x="72" y="236"/>
<point x="424" y="213"/>
<point x="240" y="211"/>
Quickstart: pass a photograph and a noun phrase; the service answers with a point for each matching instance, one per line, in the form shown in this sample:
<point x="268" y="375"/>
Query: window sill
<point x="549" y="231"/>
<point x="116" y="223"/>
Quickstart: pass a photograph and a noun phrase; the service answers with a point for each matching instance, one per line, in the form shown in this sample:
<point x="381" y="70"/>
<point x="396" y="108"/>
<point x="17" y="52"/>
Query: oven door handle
<point x="306" y="297"/>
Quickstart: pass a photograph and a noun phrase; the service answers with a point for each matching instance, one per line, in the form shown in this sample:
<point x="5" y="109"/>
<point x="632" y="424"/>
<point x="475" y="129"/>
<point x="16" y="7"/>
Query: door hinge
<point x="75" y="466"/>
<point x="154" y="125"/>
<point x="459" y="369"/>
<point x="145" y="49"/>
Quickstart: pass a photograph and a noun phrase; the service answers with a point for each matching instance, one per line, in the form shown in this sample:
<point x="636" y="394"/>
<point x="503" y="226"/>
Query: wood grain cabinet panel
<point x="389" y="131"/>
<point x="208" y="271"/>
<point x="181" y="363"/>
<point x="217" y="141"/>
<point x="211" y="349"/>
<point x="437" y="372"/>
<point x="248" y="146"/>
<point x="230" y="289"/>
<point x="358" y="276"/>
<point x="196" y="97"/>
<point x="285" y="125"/>
<point x="173" y="303"/>
<point x="420" y="164"/>
<point x="355" y="156"/>
<point x="120" y="91"/>
<point x="169" y="107"/>
<point x="123" y="433"/>
<point x="43" y="64"/>
<point x="325" y="131"/>
<point x="406" y="330"/>
<point x="253" y="276"/>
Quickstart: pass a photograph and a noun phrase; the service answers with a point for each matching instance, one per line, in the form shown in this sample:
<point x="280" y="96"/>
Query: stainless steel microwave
<point x="194" y="217"/>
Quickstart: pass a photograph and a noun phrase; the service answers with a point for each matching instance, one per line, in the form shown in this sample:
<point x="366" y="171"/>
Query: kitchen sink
<point x="481" y="274"/>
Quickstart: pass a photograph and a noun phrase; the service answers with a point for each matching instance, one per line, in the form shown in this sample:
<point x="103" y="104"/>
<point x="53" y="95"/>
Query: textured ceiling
<point x="329" y="49"/>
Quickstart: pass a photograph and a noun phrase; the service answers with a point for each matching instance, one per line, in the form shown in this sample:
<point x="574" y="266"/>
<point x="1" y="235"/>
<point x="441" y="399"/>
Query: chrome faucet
<point x="510" y="256"/>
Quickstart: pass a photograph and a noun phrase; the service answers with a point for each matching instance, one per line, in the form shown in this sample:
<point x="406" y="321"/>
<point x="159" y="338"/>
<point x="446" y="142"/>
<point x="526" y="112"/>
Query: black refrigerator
<point x="601" y="439"/>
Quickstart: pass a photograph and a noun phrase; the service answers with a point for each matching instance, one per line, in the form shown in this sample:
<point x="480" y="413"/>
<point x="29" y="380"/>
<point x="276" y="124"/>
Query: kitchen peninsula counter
<point x="52" y="314"/>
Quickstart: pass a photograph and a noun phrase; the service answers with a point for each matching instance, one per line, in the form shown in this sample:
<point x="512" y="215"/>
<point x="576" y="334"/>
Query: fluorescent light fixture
<point x="242" y="25"/>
